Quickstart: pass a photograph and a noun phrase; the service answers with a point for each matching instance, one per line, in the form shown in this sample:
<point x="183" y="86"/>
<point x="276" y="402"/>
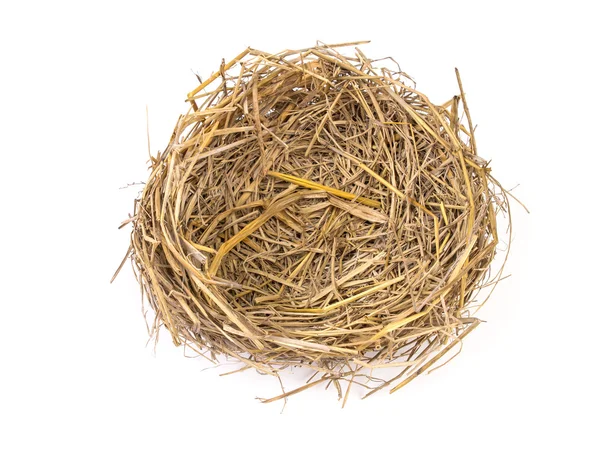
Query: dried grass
<point x="315" y="210"/>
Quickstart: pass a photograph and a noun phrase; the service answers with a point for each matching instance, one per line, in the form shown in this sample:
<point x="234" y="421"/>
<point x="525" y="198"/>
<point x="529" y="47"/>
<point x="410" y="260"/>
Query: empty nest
<point x="313" y="209"/>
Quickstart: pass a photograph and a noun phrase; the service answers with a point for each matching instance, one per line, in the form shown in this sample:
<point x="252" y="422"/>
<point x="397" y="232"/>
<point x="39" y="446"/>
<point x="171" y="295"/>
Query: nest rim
<point x="301" y="157"/>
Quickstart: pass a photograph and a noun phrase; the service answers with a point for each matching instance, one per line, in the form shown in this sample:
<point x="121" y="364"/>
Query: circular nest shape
<point x="313" y="209"/>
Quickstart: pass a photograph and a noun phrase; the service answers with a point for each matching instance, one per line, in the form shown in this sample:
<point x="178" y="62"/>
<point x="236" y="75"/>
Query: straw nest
<point x="315" y="210"/>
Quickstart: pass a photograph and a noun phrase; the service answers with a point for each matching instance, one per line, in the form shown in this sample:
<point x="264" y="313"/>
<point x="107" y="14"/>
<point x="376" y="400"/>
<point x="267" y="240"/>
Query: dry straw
<point x="313" y="209"/>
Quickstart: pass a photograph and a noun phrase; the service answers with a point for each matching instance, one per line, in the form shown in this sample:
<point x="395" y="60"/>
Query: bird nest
<point x="313" y="209"/>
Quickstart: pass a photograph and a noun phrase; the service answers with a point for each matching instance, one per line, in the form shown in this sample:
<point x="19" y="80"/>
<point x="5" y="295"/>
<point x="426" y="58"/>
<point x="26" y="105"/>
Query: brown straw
<point x="313" y="209"/>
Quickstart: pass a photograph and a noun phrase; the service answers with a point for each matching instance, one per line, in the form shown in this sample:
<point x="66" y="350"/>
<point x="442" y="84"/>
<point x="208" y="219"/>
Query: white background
<point x="77" y="380"/>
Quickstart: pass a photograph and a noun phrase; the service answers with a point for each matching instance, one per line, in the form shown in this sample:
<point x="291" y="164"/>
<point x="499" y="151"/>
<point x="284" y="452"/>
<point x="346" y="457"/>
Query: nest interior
<point x="315" y="209"/>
